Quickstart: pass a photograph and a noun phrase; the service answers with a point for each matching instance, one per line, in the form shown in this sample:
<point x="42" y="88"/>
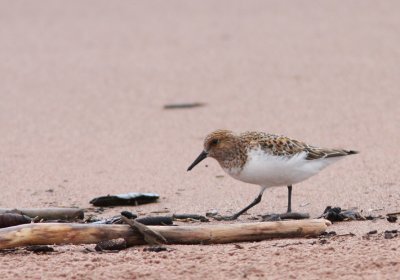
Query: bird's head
<point x="218" y="145"/>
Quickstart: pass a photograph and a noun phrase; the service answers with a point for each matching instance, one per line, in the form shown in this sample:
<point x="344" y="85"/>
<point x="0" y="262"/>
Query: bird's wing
<point x="279" y="145"/>
<point x="318" y="153"/>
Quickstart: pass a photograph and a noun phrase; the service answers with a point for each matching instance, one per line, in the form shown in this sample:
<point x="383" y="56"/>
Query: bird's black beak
<point x="202" y="156"/>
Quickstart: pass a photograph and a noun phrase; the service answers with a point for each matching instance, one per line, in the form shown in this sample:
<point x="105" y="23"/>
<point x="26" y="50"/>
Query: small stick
<point x="150" y="236"/>
<point x="47" y="213"/>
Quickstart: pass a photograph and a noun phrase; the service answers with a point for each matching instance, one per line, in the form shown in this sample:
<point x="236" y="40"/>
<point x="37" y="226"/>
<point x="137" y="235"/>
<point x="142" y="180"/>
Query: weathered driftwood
<point x="47" y="213"/>
<point x="57" y="233"/>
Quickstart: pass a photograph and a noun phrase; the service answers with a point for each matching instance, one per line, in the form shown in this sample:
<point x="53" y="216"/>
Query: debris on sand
<point x="150" y="236"/>
<point x="212" y="213"/>
<point x="389" y="234"/>
<point x="336" y="214"/>
<point x="132" y="198"/>
<point x="51" y="213"/>
<point x="117" y="244"/>
<point x="149" y="221"/>
<point x="392" y="217"/>
<point x="155" y="249"/>
<point x="285" y="216"/>
<point x="39" y="249"/>
<point x="184" y="105"/>
<point x="13" y="219"/>
<point x="156" y="221"/>
<point x="189" y="217"/>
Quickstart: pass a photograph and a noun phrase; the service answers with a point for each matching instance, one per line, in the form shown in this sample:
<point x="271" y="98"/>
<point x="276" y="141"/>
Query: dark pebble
<point x="391" y="219"/>
<point x="373" y="232"/>
<point x="388" y="235"/>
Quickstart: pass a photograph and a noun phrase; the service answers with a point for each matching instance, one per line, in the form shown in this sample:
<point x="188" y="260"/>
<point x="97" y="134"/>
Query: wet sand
<point x="83" y="85"/>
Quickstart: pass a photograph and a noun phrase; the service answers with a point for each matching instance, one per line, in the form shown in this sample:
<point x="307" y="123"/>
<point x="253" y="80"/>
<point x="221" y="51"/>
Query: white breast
<point x="268" y="170"/>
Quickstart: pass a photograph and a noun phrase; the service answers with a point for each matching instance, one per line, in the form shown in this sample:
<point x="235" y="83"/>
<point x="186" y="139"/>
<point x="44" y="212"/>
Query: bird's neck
<point x="233" y="158"/>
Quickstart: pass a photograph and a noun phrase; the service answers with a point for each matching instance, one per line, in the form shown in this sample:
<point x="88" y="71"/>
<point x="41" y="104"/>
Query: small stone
<point x="391" y="219"/>
<point x="389" y="235"/>
<point x="373" y="232"/>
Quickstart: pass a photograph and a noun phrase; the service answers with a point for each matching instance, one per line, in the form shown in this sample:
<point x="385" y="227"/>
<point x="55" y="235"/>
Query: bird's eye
<point x="214" y="142"/>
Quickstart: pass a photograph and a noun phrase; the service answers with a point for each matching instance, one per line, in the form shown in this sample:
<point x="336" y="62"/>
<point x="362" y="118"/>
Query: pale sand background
<point x="82" y="88"/>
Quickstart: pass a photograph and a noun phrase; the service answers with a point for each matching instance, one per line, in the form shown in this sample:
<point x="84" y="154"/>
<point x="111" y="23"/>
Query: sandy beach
<point x="83" y="86"/>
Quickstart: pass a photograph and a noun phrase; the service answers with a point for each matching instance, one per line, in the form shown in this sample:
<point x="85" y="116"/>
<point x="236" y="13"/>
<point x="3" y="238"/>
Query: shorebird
<point x="267" y="160"/>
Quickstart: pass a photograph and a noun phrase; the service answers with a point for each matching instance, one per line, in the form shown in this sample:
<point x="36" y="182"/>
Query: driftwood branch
<point x="56" y="233"/>
<point x="47" y="213"/>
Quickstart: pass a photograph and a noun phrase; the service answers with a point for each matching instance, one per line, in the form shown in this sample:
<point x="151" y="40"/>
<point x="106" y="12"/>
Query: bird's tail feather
<point x="341" y="153"/>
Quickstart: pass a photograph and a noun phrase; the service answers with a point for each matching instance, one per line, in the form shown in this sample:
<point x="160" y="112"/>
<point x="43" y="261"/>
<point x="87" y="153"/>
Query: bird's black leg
<point x="289" y="206"/>
<point x="289" y="215"/>
<point x="255" y="202"/>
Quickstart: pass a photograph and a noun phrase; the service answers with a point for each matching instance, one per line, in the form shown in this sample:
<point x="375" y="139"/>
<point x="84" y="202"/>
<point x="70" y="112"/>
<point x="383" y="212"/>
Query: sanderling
<point x="266" y="160"/>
